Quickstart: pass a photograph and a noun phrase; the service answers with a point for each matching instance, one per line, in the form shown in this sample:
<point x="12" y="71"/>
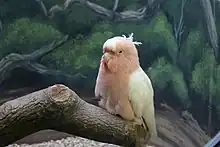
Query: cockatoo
<point x="122" y="85"/>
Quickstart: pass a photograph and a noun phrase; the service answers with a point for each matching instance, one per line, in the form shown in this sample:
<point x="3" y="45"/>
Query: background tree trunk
<point x="213" y="37"/>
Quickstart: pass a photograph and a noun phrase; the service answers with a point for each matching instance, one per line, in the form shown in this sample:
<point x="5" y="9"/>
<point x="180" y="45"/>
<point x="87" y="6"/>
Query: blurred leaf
<point x="180" y="88"/>
<point x="164" y="31"/>
<point x="24" y="36"/>
<point x="201" y="73"/>
<point x="192" y="49"/>
<point x="163" y="73"/>
<point x="79" y="54"/>
<point x="89" y="50"/>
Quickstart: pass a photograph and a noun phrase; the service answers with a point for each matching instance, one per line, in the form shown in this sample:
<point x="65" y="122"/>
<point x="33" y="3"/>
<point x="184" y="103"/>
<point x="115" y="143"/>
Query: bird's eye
<point x="120" y="51"/>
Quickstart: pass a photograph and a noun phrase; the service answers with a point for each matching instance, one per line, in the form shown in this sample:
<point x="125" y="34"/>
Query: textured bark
<point x="210" y="21"/>
<point x="209" y="13"/>
<point x="145" y="12"/>
<point x="13" y="60"/>
<point x="59" y="108"/>
<point x="174" y="130"/>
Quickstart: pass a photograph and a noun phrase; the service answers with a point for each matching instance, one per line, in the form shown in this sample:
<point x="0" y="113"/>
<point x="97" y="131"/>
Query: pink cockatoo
<point x="122" y="85"/>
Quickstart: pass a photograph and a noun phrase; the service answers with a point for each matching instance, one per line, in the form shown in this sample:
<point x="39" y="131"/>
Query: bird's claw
<point x="109" y="109"/>
<point x="138" y="121"/>
<point x="102" y="103"/>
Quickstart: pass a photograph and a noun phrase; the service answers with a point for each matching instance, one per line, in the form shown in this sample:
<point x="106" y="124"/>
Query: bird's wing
<point x="141" y="95"/>
<point x="140" y="91"/>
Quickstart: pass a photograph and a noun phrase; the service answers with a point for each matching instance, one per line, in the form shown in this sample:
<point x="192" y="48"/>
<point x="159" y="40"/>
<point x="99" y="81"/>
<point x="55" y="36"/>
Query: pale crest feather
<point x="130" y="37"/>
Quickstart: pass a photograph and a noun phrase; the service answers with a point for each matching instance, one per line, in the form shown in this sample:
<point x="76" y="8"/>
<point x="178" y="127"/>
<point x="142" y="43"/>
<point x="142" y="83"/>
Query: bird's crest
<point x="130" y="38"/>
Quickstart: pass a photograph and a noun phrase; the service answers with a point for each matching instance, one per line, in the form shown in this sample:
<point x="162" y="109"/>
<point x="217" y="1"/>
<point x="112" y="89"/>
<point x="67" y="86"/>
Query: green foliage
<point x="83" y="52"/>
<point x="164" y="33"/>
<point x="79" y="20"/>
<point x="79" y="54"/>
<point x="24" y="36"/>
<point x="192" y="12"/>
<point x="158" y="37"/>
<point x="201" y="73"/>
<point x="102" y="26"/>
<point x="161" y="73"/>
<point x="128" y="5"/>
<point x="10" y="9"/>
<point x="89" y="50"/>
<point x="123" y="28"/>
<point x="164" y="73"/>
<point x="201" y="78"/>
<point x="180" y="88"/>
<point x="216" y="92"/>
<point x="62" y="58"/>
<point x="192" y="49"/>
<point x="172" y="7"/>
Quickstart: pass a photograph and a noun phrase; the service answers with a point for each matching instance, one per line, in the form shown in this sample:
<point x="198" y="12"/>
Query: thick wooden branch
<point x="210" y="21"/>
<point x="46" y="49"/>
<point x="115" y="5"/>
<point x="59" y="108"/>
<point x="13" y="60"/>
<point x="125" y="16"/>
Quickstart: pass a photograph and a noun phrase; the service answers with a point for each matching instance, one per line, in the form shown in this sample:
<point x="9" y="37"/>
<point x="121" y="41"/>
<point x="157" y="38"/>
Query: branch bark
<point x="125" y="16"/>
<point x="210" y="20"/>
<point x="179" y="26"/>
<point x="13" y="60"/>
<point x="213" y="37"/>
<point x="115" y="5"/>
<point x="59" y="108"/>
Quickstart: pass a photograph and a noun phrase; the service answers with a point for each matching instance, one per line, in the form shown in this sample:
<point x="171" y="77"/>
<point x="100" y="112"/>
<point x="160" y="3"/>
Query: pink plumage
<point x="122" y="85"/>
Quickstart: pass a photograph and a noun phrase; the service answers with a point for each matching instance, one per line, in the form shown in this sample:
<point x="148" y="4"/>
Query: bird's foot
<point x="138" y="121"/>
<point x="102" y="103"/>
<point x="110" y="109"/>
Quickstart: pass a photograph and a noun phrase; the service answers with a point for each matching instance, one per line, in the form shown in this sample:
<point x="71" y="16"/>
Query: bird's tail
<point x="149" y="121"/>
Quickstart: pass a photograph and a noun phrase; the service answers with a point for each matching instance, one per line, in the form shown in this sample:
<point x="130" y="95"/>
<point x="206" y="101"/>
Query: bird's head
<point x="121" y="49"/>
<point x="120" y="46"/>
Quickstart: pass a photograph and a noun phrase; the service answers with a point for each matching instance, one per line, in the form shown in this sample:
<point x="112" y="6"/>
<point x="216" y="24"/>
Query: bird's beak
<point x="107" y="55"/>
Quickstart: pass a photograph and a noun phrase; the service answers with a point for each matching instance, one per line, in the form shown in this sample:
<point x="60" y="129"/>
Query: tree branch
<point x="59" y="108"/>
<point x="115" y="5"/>
<point x="126" y="16"/>
<point x="179" y="26"/>
<point x="13" y="60"/>
<point x="46" y="49"/>
<point x="42" y="6"/>
<point x="210" y="20"/>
